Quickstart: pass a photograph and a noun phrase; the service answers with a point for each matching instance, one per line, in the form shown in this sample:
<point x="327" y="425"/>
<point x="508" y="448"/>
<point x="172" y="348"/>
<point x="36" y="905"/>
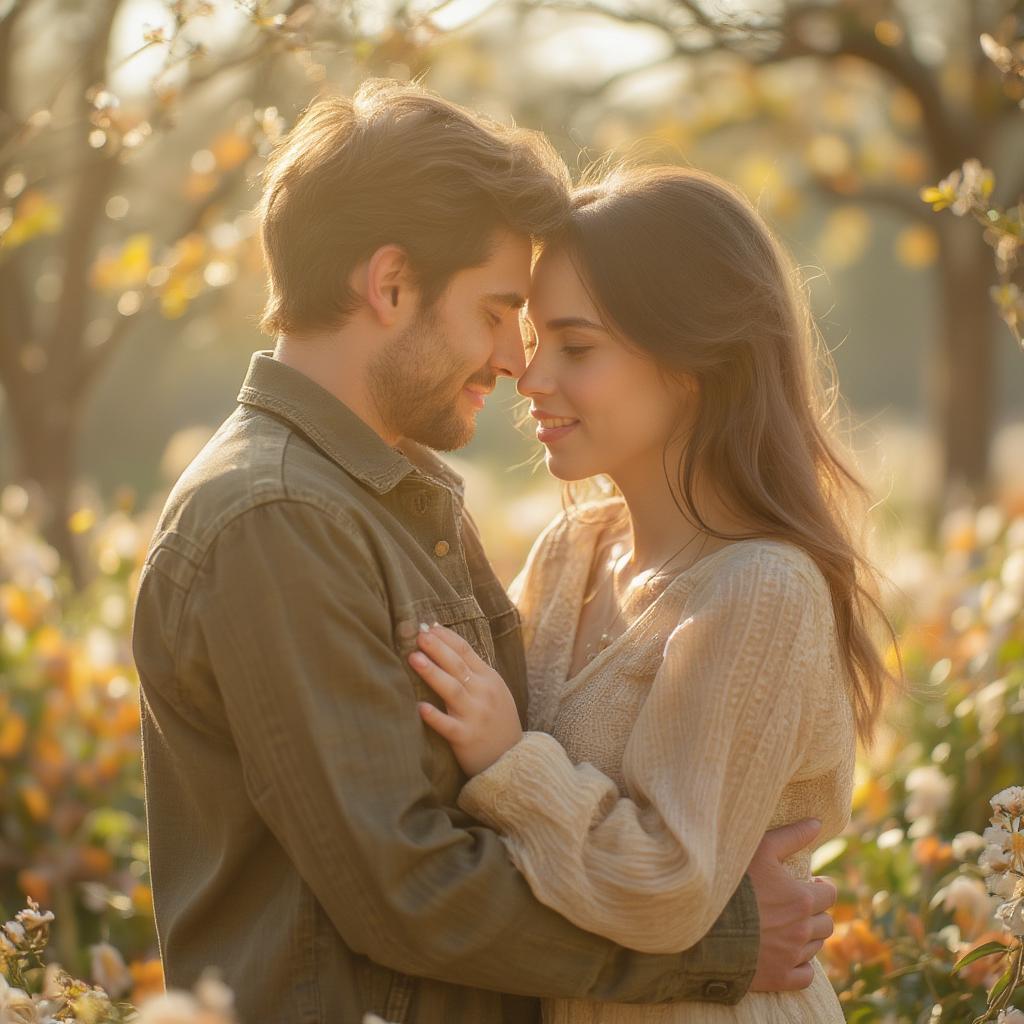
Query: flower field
<point x="915" y="867"/>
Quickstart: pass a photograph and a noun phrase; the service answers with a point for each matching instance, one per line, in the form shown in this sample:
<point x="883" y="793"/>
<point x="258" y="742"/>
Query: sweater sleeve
<point x="719" y="736"/>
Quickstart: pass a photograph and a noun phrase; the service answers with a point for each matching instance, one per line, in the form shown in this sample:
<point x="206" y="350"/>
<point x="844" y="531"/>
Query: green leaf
<point x="986" y="949"/>
<point x="1000" y="986"/>
<point x="862" y="1015"/>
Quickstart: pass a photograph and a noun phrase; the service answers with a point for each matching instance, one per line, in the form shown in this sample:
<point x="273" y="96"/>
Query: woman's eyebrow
<point x="575" y="321"/>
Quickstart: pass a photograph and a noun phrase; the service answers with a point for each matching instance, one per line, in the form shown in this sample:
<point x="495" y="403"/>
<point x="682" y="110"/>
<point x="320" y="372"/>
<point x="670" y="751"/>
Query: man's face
<point x="429" y="383"/>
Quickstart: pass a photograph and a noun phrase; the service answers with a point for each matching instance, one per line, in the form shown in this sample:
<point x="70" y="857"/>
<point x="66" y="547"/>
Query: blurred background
<point x="882" y="140"/>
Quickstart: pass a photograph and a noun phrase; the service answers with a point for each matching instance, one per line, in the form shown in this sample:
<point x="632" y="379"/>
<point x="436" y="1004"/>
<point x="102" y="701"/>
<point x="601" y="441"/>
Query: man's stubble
<point x="415" y="398"/>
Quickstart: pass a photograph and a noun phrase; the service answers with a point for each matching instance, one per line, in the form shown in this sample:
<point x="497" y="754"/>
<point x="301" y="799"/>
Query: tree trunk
<point x="963" y="379"/>
<point x="45" y="433"/>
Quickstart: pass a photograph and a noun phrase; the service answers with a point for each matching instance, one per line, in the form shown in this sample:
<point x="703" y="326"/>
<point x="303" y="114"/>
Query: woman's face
<point x="601" y="405"/>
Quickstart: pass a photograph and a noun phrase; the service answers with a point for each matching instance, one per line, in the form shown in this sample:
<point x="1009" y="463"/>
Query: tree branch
<point x="903" y="201"/>
<point x="85" y="209"/>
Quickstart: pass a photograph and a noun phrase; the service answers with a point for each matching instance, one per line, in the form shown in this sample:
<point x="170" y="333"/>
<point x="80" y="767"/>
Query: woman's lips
<point x="554" y="428"/>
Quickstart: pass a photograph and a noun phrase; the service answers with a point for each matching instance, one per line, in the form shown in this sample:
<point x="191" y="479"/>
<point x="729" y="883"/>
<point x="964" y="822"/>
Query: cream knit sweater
<point x="635" y="803"/>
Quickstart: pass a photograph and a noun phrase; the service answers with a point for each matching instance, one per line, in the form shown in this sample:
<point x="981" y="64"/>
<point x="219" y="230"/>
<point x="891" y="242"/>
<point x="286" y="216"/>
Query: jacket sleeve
<point x="323" y="714"/>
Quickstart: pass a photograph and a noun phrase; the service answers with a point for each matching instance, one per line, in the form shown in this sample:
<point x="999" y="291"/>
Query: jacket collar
<point x="335" y="429"/>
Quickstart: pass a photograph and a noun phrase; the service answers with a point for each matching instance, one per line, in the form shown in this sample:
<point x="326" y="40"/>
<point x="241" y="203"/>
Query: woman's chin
<point x="568" y="470"/>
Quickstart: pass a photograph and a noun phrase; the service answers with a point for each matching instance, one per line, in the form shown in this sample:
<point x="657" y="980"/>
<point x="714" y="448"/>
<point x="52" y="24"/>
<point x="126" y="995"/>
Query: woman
<point x="698" y="651"/>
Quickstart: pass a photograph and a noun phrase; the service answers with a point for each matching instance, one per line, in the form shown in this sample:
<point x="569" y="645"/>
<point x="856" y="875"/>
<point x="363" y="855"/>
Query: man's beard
<point x="412" y="402"/>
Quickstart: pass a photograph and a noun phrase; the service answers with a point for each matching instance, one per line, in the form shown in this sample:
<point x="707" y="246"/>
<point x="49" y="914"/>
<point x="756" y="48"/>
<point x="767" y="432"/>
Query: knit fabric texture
<point x="636" y="800"/>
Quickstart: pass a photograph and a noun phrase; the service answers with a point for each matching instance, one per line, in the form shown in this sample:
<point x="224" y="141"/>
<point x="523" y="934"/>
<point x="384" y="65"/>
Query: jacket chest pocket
<point x="465" y="617"/>
<point x="462" y="615"/>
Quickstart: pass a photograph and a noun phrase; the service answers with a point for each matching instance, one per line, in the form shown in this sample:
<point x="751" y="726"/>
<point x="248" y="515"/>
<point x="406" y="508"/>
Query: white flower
<point x="1011" y="913"/>
<point x="109" y="970"/>
<point x="32" y="919"/>
<point x="19" y="1007"/>
<point x="1009" y="801"/>
<point x="169" y="1008"/>
<point x="930" y="791"/>
<point x="1004" y="852"/>
<point x="1003" y="885"/>
<point x="970" y="901"/>
<point x="213" y="994"/>
<point x="15" y="932"/>
<point x="990" y="704"/>
<point x="966" y="844"/>
<point x="1012" y="573"/>
<point x="1010" y="1016"/>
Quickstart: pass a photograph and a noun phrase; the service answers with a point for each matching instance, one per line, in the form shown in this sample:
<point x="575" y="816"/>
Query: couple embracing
<point x="378" y="783"/>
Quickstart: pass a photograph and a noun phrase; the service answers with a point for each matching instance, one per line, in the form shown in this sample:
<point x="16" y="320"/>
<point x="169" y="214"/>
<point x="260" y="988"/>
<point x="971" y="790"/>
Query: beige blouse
<point x="635" y="803"/>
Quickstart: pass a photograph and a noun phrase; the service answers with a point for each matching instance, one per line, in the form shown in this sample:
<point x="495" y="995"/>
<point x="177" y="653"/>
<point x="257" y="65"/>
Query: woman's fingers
<point x="446" y="686"/>
<point x="444" y="725"/>
<point x="443" y="653"/>
<point x="459" y="645"/>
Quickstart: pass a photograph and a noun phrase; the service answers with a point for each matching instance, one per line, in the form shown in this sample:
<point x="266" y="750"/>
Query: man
<point x="304" y="833"/>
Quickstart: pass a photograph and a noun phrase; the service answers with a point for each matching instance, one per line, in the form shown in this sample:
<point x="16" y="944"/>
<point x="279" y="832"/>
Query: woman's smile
<point x="551" y="428"/>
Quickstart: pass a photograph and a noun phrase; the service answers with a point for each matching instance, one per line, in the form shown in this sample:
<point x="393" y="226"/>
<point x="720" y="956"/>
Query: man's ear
<point x="385" y="282"/>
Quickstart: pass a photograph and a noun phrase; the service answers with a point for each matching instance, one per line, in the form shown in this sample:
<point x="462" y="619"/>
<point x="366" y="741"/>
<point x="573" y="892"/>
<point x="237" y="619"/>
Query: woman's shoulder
<point x="779" y="567"/>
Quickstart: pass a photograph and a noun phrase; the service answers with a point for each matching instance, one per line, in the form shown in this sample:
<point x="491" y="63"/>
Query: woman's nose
<point x="534" y="381"/>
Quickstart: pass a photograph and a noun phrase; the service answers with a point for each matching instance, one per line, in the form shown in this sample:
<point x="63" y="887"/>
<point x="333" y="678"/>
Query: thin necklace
<point x="606" y="637"/>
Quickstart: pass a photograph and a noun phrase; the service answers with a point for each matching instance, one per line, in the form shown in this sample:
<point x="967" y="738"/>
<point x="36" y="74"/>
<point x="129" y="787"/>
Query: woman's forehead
<point x="556" y="290"/>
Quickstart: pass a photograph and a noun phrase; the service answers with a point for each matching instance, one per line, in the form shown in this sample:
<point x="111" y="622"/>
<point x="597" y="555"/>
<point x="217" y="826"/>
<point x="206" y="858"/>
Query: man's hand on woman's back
<point x="793" y="912"/>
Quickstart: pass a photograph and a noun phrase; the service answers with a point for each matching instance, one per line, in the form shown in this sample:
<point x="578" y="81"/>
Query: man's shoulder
<point x="253" y="460"/>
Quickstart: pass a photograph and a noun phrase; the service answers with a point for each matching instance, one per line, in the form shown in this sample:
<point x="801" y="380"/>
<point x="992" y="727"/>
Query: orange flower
<point x="853" y="942"/>
<point x="37" y="803"/>
<point x="147" y="978"/>
<point x="142" y="898"/>
<point x="13" y="730"/>
<point x="35" y="885"/>
<point x="933" y="854"/>
<point x="95" y="862"/>
<point x="17" y="606"/>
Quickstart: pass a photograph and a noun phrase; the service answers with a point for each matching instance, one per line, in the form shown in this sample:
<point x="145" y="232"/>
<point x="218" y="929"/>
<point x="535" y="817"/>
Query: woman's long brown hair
<point x="681" y="266"/>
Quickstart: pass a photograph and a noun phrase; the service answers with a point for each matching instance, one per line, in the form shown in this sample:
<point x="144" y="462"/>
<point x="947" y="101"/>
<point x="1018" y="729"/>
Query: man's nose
<point x="509" y="355"/>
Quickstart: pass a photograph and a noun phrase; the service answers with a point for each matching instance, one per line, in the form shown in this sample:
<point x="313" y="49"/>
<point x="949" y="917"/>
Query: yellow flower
<point x="37" y="803"/>
<point x="36" y="214"/>
<point x="13" y="730"/>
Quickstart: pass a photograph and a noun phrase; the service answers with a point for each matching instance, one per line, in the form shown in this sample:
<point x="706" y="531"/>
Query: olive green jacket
<point x="303" y="828"/>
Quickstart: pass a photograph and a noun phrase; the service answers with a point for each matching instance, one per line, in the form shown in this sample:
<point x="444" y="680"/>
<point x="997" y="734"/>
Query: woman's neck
<point x="658" y="529"/>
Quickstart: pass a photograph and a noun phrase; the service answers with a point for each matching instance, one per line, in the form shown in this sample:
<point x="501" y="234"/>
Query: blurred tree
<point x="81" y="165"/>
<point x="941" y="102"/>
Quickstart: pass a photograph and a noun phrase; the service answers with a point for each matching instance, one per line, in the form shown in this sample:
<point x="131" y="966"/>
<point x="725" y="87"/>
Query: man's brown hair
<point x="395" y="164"/>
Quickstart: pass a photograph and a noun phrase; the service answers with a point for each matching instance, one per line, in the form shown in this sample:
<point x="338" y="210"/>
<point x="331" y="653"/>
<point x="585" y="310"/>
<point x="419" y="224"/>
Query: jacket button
<point x="441" y="548"/>
<point x="716" y="989"/>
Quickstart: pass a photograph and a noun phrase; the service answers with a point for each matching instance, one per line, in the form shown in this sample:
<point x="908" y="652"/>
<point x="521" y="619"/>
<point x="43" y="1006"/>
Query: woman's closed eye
<point x="576" y="351"/>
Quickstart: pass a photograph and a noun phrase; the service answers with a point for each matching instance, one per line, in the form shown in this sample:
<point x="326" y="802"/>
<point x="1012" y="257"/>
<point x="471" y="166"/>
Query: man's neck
<point x="338" y="365"/>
